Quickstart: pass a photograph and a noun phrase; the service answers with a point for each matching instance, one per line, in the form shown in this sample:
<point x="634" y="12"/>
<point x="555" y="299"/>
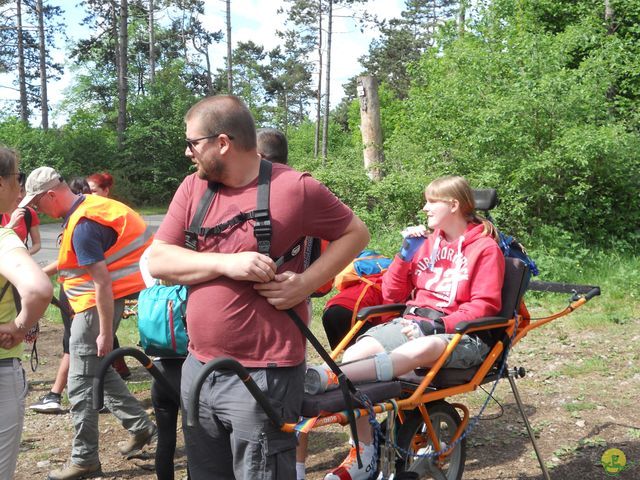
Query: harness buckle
<point x="191" y="240"/>
<point x="262" y="228"/>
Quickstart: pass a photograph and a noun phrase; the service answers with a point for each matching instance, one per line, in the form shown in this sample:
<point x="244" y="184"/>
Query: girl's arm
<point x="36" y="241"/>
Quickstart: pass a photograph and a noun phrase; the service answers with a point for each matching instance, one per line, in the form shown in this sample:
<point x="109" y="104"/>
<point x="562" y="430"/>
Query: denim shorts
<point x="470" y="351"/>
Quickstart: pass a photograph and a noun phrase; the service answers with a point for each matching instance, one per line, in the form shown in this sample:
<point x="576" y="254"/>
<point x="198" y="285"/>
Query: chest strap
<point x="261" y="216"/>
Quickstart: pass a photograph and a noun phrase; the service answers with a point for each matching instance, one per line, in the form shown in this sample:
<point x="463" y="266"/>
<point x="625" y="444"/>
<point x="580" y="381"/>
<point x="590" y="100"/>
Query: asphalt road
<point x="49" y="233"/>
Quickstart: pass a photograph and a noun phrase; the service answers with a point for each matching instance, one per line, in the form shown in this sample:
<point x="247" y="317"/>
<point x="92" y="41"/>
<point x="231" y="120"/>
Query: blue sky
<point x="255" y="20"/>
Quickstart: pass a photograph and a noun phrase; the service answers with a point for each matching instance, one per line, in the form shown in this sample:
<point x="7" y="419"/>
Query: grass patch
<point x="618" y="277"/>
<point x="128" y="332"/>
<point x="588" y="366"/>
<point x="565" y="451"/>
<point x="594" y="442"/>
<point x="138" y="387"/>
<point x="152" y="209"/>
<point x="579" y="406"/>
<point x="634" y="433"/>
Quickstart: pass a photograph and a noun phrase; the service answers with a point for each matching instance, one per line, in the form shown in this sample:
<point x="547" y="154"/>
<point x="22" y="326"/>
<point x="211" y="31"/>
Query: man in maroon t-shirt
<point x="238" y="297"/>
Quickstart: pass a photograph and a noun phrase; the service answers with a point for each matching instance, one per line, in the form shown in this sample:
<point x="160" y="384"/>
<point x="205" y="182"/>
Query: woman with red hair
<point x="100" y="184"/>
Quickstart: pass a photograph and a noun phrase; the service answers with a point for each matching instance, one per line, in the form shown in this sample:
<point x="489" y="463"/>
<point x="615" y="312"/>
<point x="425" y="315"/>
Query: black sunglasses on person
<point x="191" y="144"/>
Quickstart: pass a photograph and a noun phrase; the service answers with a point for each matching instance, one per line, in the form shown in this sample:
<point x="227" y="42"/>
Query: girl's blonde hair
<point x="450" y="188"/>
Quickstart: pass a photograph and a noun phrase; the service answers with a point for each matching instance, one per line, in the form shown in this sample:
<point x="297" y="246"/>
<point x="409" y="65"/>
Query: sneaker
<point x="49" y="403"/>
<point x="319" y="379"/>
<point x="348" y="469"/>
<point x="74" y="471"/>
<point x="134" y="445"/>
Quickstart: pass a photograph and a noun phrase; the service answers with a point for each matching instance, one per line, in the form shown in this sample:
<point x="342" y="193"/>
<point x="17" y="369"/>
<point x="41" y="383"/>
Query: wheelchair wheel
<point x="413" y="439"/>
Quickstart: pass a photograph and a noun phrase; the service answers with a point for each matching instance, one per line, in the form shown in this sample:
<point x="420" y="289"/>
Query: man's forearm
<point x="104" y="305"/>
<point x="51" y="268"/>
<point x="181" y="265"/>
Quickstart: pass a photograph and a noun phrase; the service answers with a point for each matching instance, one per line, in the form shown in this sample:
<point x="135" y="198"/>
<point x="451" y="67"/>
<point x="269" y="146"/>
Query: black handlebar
<point x="595" y="291"/>
<point x="98" y="380"/>
<point x="589" y="291"/>
<point x="224" y="363"/>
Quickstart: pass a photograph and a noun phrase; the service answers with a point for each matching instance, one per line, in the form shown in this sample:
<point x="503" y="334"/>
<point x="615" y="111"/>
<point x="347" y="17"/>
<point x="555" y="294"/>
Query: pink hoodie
<point x="463" y="278"/>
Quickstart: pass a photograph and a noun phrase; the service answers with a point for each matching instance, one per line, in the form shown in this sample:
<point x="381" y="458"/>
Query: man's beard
<point x="213" y="171"/>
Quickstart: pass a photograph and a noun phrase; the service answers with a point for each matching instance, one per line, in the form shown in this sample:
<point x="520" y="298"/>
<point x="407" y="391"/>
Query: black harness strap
<point x="291" y="253"/>
<point x="191" y="234"/>
<point x="262" y="226"/>
<point x="221" y="227"/>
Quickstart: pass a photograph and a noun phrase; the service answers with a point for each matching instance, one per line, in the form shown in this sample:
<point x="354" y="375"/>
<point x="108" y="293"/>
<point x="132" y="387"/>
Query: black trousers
<point x="337" y="323"/>
<point x="166" y="410"/>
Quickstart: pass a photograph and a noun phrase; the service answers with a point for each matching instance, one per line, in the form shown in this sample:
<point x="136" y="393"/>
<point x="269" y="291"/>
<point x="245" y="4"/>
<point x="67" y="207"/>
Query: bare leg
<point x="420" y="352"/>
<point x="301" y="454"/>
<point x="303" y="445"/>
<point x="61" y="376"/>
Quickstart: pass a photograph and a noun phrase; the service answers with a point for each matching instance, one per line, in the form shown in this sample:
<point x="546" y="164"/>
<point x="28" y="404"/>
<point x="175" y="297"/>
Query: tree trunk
<point x="609" y="18"/>
<point x="229" y="50"/>
<point x="123" y="41"/>
<point x="209" y="76"/>
<point x="44" y="102"/>
<point x="327" y="99"/>
<point x="609" y="15"/>
<point x="152" y="43"/>
<point x="114" y="35"/>
<point x="22" y="80"/>
<point x="316" y="140"/>
<point x="286" y="113"/>
<point x="370" y="126"/>
<point x="462" y="12"/>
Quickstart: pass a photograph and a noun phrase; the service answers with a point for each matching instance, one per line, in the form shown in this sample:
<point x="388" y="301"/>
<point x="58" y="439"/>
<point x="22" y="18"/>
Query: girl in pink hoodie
<point x="454" y="274"/>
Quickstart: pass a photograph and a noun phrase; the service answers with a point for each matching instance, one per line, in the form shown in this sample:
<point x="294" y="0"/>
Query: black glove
<point x="432" y="327"/>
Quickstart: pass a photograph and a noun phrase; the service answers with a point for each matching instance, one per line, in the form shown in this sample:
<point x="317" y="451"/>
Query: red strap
<point x="174" y="344"/>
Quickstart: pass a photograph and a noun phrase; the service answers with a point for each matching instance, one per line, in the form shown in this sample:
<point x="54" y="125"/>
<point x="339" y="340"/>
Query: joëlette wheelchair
<point x="424" y="434"/>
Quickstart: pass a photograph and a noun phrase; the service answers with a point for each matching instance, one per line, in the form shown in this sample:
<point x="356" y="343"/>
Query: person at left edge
<point x="102" y="241"/>
<point x="34" y="288"/>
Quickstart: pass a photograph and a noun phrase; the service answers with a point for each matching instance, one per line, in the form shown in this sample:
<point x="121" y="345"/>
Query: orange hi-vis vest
<point x="122" y="258"/>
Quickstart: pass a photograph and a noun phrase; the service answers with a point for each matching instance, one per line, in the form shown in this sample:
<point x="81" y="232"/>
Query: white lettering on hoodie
<point x="448" y="267"/>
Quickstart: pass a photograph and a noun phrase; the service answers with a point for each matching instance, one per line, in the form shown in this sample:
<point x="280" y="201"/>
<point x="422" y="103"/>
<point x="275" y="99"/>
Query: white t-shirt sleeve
<point x="9" y="241"/>
<point x="144" y="269"/>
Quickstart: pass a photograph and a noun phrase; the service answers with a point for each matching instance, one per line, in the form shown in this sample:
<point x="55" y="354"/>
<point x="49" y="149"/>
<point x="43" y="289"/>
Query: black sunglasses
<point x="191" y="144"/>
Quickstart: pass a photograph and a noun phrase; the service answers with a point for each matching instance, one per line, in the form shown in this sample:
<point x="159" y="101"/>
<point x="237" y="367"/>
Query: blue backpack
<point x="512" y="248"/>
<point x="162" y="320"/>
<point x="367" y="263"/>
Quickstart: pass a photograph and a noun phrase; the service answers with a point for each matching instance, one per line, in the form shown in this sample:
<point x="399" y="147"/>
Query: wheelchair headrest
<point x="486" y="199"/>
